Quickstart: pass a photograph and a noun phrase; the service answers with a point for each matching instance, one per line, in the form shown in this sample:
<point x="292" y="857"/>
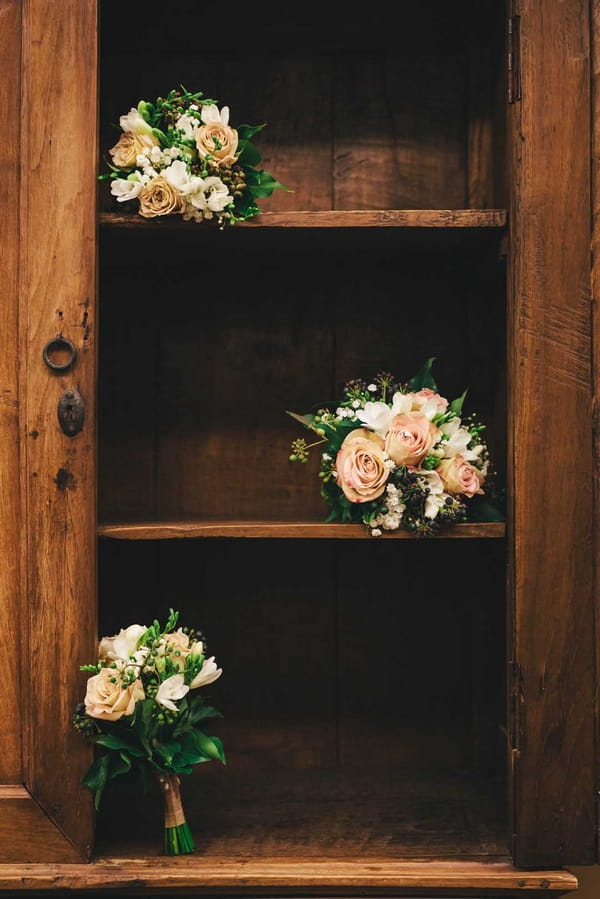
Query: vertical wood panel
<point x="58" y="297"/>
<point x="551" y="473"/>
<point x="595" y="31"/>
<point x="10" y="528"/>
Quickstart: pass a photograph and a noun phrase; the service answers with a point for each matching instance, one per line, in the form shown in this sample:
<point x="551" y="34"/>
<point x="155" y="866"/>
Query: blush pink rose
<point x="410" y="437"/>
<point x="425" y="395"/>
<point x="459" y="476"/>
<point x="360" y="466"/>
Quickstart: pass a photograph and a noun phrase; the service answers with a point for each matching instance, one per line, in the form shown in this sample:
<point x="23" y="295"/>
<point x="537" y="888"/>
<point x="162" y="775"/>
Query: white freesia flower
<point x="211" y="194"/>
<point x="171" y="689"/>
<point x="207" y="674"/>
<point x="124" y="189"/>
<point x="135" y="123"/>
<point x="436" y="497"/>
<point x="377" y="416"/>
<point x="401" y="403"/>
<point x="211" y="114"/>
<point x="123" y="645"/>
<point x="429" y="407"/>
<point x="178" y="177"/>
<point x="187" y="125"/>
<point x="458" y="439"/>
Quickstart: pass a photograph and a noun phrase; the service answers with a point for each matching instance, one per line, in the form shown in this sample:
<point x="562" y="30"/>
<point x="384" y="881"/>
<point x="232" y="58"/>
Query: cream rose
<point x="178" y="647"/>
<point x="129" y="146"/>
<point x="215" y="136"/>
<point x="110" y="701"/>
<point x="123" y="645"/>
<point x="160" y="198"/>
<point x="459" y="476"/>
<point x="410" y="437"/>
<point x="360" y="466"/>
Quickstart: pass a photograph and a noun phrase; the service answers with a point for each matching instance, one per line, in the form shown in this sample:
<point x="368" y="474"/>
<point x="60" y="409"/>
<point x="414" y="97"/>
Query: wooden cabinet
<point x="400" y="714"/>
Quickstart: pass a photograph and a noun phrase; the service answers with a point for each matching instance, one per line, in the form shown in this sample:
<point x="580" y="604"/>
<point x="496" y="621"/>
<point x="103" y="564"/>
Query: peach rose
<point x="110" y="701"/>
<point x="130" y="145"/>
<point x="360" y="466"/>
<point x="459" y="476"/>
<point x="410" y="437"/>
<point x="158" y="197"/>
<point x="218" y="140"/>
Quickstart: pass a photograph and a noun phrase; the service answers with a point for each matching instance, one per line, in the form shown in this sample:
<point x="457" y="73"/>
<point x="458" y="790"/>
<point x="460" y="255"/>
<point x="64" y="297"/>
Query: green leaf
<point x="199" y="711"/>
<point x="482" y="509"/>
<point x="245" y="132"/>
<point x="142" y="723"/>
<point x="457" y="404"/>
<point x="115" y="741"/>
<point x="167" y="750"/>
<point x="248" y="154"/>
<point x="210" y="747"/>
<point x="97" y="777"/>
<point x="160" y="136"/>
<point x="423" y="378"/>
<point x="306" y="420"/>
<point x="266" y="185"/>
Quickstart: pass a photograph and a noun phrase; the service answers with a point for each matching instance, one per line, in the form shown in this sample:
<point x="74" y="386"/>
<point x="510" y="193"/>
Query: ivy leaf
<point x="423" y="378"/>
<point x="199" y="711"/>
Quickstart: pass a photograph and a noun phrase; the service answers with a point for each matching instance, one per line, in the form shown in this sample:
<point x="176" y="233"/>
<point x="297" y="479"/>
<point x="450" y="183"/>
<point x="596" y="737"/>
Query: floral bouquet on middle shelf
<point x="400" y="455"/>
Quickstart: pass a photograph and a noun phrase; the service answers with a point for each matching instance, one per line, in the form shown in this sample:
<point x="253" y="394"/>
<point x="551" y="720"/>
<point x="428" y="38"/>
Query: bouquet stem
<point x="178" y="837"/>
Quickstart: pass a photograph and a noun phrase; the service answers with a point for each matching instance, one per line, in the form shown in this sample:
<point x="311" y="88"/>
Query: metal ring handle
<point x="59" y="345"/>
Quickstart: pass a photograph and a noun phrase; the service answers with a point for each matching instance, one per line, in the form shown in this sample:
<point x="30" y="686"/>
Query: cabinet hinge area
<point x="513" y="58"/>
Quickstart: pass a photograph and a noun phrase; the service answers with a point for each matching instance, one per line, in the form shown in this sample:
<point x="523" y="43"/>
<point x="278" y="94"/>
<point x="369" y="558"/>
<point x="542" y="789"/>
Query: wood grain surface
<point x="58" y="297"/>
<point x="595" y="173"/>
<point x="303" y="876"/>
<point x="10" y="477"/>
<point x="549" y="365"/>
<point x="351" y="218"/>
<point x="165" y="530"/>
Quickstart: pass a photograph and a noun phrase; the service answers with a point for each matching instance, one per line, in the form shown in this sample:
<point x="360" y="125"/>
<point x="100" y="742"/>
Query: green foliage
<point x="423" y="378"/>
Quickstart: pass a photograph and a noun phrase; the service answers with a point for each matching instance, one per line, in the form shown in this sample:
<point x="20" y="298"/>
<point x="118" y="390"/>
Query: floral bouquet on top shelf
<point x="144" y="709"/>
<point x="179" y="155"/>
<point x="399" y="455"/>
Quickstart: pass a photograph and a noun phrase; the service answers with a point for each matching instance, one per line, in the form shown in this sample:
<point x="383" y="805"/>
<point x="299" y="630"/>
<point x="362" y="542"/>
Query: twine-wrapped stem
<point x="178" y="837"/>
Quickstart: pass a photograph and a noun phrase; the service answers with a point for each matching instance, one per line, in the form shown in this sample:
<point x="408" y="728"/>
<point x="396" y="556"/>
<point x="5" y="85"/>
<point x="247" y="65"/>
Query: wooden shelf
<point x="310" y="831"/>
<point x="168" y="530"/>
<point x="299" y="876"/>
<point x="354" y="218"/>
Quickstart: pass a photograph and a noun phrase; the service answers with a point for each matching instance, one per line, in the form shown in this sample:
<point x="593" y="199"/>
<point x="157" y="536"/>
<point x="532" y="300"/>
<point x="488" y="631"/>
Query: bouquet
<point x="143" y="708"/>
<point x="399" y="455"/>
<point x="180" y="156"/>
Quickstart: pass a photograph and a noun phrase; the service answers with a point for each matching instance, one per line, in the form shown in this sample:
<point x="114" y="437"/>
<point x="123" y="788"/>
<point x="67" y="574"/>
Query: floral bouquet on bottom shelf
<point x="143" y="707"/>
<point x="399" y="455"/>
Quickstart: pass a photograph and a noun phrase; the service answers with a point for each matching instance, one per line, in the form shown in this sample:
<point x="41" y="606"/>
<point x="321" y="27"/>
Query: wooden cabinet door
<point x="551" y="474"/>
<point x="49" y="601"/>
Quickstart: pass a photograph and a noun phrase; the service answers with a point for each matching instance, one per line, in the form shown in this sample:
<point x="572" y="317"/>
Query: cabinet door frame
<point x="551" y="603"/>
